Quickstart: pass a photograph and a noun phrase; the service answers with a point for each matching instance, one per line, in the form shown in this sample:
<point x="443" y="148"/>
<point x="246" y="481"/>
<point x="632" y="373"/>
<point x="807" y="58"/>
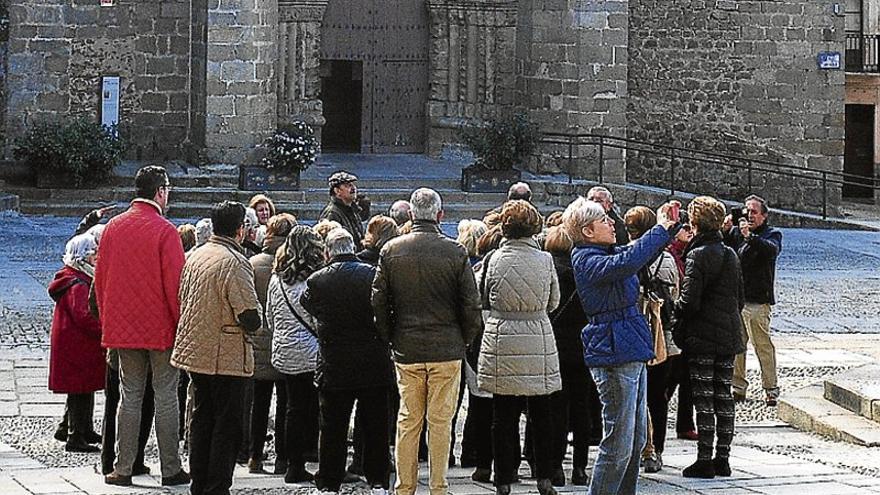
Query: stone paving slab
<point x="857" y="390"/>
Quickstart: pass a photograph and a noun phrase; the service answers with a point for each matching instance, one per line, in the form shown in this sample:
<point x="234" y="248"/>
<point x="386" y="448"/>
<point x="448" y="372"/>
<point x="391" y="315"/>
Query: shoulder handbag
<point x="472" y="353"/>
<point x="295" y="313"/>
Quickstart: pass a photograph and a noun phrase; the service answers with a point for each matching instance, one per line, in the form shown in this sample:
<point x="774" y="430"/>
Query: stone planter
<point x="481" y="179"/>
<point x="252" y="178"/>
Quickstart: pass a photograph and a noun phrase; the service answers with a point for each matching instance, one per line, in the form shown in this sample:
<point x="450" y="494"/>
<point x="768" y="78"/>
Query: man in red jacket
<point x="136" y="286"/>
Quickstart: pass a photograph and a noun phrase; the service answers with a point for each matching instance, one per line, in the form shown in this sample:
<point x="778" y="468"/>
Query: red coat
<point x="137" y="279"/>
<point x="76" y="360"/>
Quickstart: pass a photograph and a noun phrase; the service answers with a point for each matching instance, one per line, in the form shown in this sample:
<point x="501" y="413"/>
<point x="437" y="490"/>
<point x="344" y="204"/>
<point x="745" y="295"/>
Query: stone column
<point x="299" y="61"/>
<point x="241" y="86"/>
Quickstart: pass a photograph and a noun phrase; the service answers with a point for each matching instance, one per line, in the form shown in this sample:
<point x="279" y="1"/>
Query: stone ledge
<point x="856" y="390"/>
<point x="807" y="409"/>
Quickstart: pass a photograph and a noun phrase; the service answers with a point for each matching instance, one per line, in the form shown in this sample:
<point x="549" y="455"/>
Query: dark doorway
<point x="341" y="92"/>
<point x="858" y="156"/>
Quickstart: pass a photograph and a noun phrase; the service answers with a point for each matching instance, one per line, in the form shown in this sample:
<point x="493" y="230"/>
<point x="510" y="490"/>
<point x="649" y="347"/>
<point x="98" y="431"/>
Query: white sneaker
<point x="379" y="491"/>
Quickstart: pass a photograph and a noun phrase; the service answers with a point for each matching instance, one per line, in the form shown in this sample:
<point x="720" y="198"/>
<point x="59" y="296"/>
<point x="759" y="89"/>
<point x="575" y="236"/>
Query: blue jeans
<point x="623" y="394"/>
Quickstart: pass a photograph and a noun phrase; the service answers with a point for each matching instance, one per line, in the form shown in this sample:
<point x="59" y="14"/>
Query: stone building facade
<point x="209" y="79"/>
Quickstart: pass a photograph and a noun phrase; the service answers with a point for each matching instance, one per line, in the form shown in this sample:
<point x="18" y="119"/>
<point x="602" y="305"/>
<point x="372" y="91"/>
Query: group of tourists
<point x="584" y="321"/>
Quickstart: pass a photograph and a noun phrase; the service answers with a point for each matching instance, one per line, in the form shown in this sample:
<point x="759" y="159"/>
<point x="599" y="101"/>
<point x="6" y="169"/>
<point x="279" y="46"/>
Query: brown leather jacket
<point x="425" y="298"/>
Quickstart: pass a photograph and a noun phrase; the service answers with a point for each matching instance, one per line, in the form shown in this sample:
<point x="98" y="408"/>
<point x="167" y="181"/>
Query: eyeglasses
<point x="686" y="227"/>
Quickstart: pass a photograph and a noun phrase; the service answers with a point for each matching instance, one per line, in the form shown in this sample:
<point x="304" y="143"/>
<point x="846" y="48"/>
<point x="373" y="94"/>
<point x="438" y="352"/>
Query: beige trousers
<point x="426" y="389"/>
<point x="756" y="318"/>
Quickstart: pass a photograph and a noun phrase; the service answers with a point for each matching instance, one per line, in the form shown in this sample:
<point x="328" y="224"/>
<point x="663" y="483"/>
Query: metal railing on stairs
<point x="678" y="156"/>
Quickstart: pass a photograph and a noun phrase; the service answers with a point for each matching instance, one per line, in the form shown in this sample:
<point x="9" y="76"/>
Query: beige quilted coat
<point x="518" y="354"/>
<point x="217" y="285"/>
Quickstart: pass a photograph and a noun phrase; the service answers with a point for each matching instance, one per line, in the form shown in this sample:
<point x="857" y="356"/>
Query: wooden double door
<point x="374" y="75"/>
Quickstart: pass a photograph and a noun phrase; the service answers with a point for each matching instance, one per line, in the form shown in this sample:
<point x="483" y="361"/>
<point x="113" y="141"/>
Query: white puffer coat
<point x="518" y="354"/>
<point x="294" y="348"/>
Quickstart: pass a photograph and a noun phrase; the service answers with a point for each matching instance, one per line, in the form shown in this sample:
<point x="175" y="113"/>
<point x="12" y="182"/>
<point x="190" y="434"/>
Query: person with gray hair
<point x="76" y="363"/>
<point x="520" y="190"/>
<point x="354" y="365"/>
<point x="204" y="231"/>
<point x="399" y="211"/>
<point x="427" y="306"/>
<point x="603" y="196"/>
<point x="617" y="340"/>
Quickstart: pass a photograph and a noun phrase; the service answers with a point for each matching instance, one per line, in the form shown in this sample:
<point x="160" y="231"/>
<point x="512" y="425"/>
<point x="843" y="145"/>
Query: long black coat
<point x="709" y="307"/>
<point x="568" y="319"/>
<point x="352" y="354"/>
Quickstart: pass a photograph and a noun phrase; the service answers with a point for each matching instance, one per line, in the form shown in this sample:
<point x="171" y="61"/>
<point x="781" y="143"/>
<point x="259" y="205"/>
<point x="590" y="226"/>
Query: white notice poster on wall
<point x="110" y="101"/>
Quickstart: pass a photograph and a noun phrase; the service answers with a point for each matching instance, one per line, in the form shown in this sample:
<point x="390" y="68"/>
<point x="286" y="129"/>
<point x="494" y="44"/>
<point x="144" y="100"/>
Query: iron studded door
<point x="390" y="37"/>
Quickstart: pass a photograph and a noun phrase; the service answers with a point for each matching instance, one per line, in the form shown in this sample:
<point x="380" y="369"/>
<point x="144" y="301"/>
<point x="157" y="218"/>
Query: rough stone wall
<point x="4" y="54"/>
<point x="472" y="65"/>
<point x="737" y="77"/>
<point x="241" y="101"/>
<point x="572" y="74"/>
<point x="59" y="50"/>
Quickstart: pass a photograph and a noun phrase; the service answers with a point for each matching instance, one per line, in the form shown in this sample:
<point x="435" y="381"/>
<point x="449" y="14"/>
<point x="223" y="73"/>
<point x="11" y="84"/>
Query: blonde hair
<point x="380" y="230"/>
<point x="324" y="227"/>
<point x="638" y="220"/>
<point x="279" y="225"/>
<point x="262" y="198"/>
<point x="520" y="219"/>
<point x="557" y="240"/>
<point x="469" y="232"/>
<point x="187" y="233"/>
<point x="706" y="213"/>
<point x="579" y="214"/>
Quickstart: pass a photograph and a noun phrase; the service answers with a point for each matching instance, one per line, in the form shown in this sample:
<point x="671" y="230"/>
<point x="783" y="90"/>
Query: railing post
<point x="672" y="174"/>
<point x="824" y="195"/>
<point x="749" y="168"/>
<point x="601" y="159"/>
<point x="570" y="156"/>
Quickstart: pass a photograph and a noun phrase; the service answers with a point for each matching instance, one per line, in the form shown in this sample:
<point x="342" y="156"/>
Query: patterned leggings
<point x="710" y="382"/>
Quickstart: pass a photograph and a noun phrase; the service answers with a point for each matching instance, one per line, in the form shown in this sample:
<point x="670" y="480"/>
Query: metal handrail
<point x="676" y="154"/>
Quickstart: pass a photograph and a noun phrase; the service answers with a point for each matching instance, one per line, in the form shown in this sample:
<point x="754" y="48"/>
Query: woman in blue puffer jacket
<point x="617" y="341"/>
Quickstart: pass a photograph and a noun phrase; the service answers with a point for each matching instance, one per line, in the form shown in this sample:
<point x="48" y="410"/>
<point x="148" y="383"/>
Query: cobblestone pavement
<point x="828" y="320"/>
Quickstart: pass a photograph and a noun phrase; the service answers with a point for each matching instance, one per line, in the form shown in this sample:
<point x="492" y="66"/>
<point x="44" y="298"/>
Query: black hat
<point x="340" y="178"/>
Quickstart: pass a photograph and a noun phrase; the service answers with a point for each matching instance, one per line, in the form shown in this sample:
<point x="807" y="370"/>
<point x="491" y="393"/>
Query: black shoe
<point x="738" y="397"/>
<point x="700" y="469"/>
<point x="482" y="475"/>
<point x="280" y="466"/>
<point x="558" y="478"/>
<point x="545" y="487"/>
<point x="117" y="479"/>
<point x="350" y="477"/>
<point x="502" y="490"/>
<point x="451" y="460"/>
<point x="92" y="437"/>
<point x="722" y="466"/>
<point x="579" y="476"/>
<point x="80" y="446"/>
<point x="242" y="458"/>
<point x="139" y="470"/>
<point x="355" y="469"/>
<point x="298" y="476"/>
<point x="60" y="434"/>
<point x="181" y="478"/>
<point x="256" y="467"/>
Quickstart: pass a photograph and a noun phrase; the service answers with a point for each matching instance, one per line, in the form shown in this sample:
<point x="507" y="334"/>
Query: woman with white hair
<point x="76" y="360"/>
<point x="617" y="340"/>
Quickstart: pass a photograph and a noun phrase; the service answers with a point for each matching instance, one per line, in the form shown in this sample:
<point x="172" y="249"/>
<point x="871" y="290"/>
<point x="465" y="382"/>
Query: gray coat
<point x="262" y="339"/>
<point x="294" y="347"/>
<point x="518" y="354"/>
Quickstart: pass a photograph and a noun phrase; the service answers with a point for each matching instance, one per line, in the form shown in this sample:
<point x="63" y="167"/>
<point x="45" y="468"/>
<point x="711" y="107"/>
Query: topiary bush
<point x="501" y="144"/>
<point x="83" y="151"/>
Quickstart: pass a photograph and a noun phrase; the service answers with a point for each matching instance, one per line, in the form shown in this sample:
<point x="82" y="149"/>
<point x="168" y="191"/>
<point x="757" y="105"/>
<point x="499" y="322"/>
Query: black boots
<point x="579" y="476"/>
<point x="79" y="424"/>
<point x="700" y="469"/>
<point x="722" y="466"/>
<point x="545" y="487"/>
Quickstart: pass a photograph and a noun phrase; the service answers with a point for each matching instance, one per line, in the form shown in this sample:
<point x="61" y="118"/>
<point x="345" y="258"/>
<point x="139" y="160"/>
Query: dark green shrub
<point x="292" y="148"/>
<point x="501" y="144"/>
<point x="83" y="150"/>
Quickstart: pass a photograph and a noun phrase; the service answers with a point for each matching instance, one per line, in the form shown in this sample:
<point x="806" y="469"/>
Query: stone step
<point x="215" y="194"/>
<point x="307" y="211"/>
<point x="808" y="410"/>
<point x="856" y="390"/>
